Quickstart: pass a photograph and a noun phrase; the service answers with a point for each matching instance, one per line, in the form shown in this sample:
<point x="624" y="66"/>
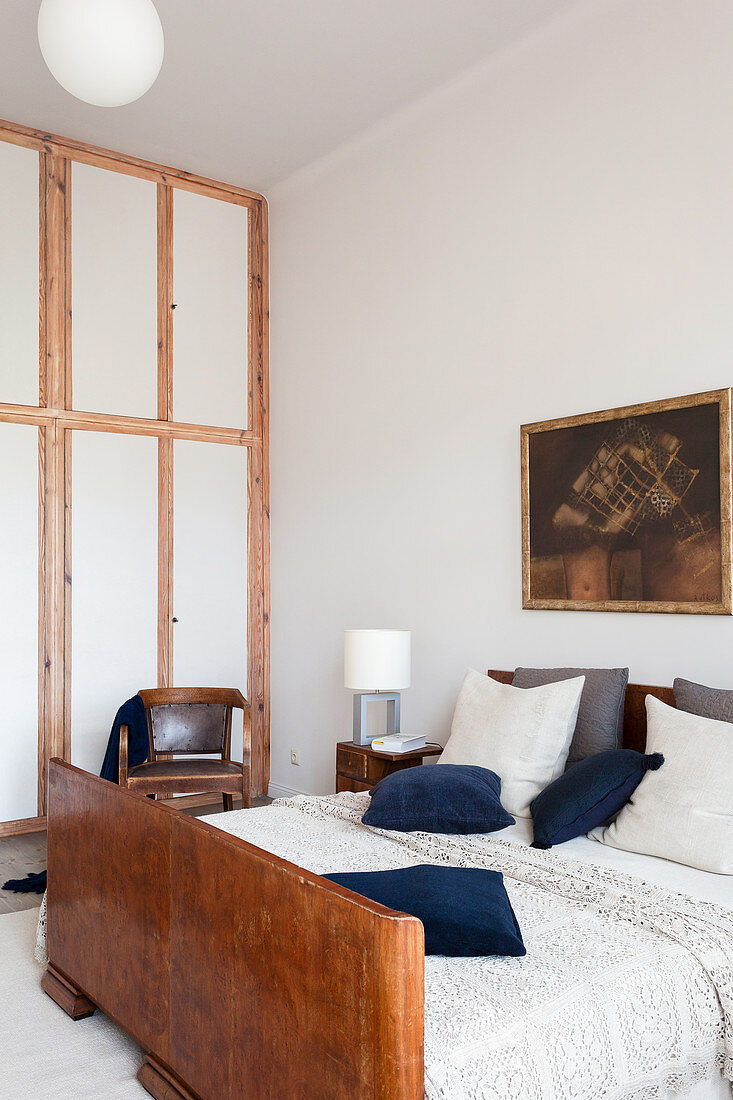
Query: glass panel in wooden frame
<point x="114" y="587"/>
<point x="18" y="275"/>
<point x="19" y="634"/>
<point x="210" y="570"/>
<point x="210" y="316"/>
<point x="114" y="292"/>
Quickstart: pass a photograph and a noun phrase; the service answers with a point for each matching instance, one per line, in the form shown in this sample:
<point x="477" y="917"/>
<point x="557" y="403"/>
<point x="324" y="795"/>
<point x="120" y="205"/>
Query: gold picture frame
<point x="629" y="509"/>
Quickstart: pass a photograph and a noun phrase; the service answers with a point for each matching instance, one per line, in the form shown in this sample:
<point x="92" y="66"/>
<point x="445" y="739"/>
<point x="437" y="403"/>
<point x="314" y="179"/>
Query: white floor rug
<point x="43" y="1053"/>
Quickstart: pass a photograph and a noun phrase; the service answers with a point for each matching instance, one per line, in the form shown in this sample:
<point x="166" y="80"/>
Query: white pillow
<point x="684" y="811"/>
<point x="522" y="734"/>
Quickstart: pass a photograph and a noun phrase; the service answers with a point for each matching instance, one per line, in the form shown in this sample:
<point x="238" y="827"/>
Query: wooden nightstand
<point x="359" y="767"/>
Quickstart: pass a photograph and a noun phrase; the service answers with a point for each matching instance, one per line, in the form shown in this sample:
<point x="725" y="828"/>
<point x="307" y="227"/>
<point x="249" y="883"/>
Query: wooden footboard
<point x="240" y="974"/>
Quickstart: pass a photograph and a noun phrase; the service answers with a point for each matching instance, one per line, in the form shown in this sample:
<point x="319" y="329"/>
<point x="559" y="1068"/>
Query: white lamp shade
<point x="377" y="660"/>
<point x="105" y="52"/>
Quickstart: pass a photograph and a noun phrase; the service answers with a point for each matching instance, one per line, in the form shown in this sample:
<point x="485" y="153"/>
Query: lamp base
<point x="361" y="699"/>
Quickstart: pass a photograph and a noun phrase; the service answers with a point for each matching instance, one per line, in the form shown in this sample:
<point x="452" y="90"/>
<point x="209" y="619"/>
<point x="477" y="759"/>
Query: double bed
<point x="242" y="972"/>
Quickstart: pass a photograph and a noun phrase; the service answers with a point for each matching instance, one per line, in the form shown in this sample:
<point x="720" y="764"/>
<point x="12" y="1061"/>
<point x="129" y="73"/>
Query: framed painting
<point x="630" y="509"/>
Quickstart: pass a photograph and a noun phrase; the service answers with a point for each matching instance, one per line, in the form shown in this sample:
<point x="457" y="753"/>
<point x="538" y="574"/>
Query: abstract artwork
<point x="630" y="509"/>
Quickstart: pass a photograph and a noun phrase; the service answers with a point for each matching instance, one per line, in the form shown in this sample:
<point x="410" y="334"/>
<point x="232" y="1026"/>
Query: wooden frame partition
<point x="56" y="420"/>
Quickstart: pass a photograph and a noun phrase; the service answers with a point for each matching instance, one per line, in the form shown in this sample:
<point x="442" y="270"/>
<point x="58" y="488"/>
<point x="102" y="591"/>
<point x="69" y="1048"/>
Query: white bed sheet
<point x="329" y="837"/>
<point x="662" y="872"/>
<point x="719" y="1089"/>
<point x="717" y="889"/>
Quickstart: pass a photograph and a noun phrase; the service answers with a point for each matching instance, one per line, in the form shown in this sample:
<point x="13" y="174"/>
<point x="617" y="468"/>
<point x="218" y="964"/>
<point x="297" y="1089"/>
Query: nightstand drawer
<point x="352" y="764"/>
<point x="359" y="767"/>
<point x="345" y="783"/>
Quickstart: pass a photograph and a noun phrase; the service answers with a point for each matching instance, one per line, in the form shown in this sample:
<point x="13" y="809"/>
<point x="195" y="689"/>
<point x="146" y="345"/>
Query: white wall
<point x="19" y="635"/>
<point x="210" y="568"/>
<point x="114" y="292"/>
<point x="18" y="484"/>
<point x="18" y="275"/>
<point x="550" y="234"/>
<point x="114" y="624"/>
<point x="210" y="322"/>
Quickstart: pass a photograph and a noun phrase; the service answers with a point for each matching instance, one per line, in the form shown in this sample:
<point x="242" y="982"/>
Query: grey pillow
<point x="708" y="702"/>
<point x="601" y="713"/>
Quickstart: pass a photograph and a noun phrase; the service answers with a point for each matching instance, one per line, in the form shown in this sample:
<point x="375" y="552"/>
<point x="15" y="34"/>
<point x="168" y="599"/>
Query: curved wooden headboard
<point x="634" y="708"/>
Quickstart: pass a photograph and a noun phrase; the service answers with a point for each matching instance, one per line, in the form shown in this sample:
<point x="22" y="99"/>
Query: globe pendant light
<point x="105" y="52"/>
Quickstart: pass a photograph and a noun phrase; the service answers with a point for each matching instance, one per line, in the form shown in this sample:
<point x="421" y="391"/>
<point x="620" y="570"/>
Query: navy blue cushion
<point x="588" y="794"/>
<point x="464" y="910"/>
<point x="439" y="798"/>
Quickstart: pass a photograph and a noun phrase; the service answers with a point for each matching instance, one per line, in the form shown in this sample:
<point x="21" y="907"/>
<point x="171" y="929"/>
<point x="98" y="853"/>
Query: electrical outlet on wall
<point x="294" y="757"/>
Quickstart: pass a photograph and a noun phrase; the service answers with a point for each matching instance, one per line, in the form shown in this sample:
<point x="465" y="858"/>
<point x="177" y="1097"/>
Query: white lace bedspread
<point x="626" y="991"/>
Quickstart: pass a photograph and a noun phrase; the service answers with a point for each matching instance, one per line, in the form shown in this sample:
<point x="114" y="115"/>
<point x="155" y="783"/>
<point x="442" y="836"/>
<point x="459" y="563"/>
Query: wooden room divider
<point x="56" y="418"/>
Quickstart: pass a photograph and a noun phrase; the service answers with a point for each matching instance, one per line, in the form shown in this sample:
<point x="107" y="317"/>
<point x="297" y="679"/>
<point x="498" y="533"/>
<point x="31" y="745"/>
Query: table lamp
<point x="376" y="667"/>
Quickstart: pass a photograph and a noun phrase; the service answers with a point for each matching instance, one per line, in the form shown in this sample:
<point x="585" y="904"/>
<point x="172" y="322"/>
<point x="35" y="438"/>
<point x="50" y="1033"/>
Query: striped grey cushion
<point x="601" y="714"/>
<point x="716" y="703"/>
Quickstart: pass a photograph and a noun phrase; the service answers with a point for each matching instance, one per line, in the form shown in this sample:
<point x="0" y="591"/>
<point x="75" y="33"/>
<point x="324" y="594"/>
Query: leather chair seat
<point x="187" y="776"/>
<point x="180" y="769"/>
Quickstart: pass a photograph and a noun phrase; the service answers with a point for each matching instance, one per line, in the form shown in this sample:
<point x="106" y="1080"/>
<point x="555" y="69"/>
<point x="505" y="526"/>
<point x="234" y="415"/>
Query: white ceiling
<point x="250" y="91"/>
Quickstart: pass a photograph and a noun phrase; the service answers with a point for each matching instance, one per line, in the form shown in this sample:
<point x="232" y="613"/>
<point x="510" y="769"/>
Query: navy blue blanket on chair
<point x="132" y="714"/>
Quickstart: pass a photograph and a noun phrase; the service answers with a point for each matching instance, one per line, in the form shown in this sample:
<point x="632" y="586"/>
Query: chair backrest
<point x="190" y="720"/>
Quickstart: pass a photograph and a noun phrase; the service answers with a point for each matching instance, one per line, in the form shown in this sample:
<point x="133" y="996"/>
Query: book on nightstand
<point x="399" y="742"/>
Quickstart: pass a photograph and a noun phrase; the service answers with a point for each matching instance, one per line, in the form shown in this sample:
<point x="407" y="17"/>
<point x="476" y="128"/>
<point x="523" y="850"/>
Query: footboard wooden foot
<point x="74" y="1002"/>
<point x="160" y="1083"/>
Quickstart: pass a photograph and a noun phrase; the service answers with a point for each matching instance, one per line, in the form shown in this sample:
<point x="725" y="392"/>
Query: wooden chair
<point x="187" y="722"/>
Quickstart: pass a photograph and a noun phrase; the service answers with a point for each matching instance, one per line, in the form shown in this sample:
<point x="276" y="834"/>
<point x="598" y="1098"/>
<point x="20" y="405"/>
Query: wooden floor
<point x="24" y="855"/>
<point x="20" y="856"/>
